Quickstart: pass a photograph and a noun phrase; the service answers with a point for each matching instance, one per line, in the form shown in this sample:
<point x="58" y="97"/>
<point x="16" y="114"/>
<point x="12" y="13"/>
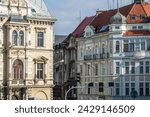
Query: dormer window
<point x="142" y="16"/>
<point x="133" y="17"/>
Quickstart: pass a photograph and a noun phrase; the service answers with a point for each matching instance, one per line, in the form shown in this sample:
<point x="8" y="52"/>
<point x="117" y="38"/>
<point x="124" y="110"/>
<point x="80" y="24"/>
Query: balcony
<point x="88" y="57"/>
<point x="16" y="83"/>
<point x="135" y="54"/>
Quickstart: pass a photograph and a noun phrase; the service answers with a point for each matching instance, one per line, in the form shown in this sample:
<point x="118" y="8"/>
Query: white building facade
<point x="113" y="60"/>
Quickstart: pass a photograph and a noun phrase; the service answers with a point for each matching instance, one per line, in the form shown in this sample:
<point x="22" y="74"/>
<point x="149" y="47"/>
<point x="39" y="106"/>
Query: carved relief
<point x="17" y="53"/>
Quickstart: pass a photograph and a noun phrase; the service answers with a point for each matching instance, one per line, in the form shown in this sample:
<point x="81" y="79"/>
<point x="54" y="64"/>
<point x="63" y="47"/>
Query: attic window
<point x="134" y="27"/>
<point x="133" y="17"/>
<point x="140" y="27"/>
<point x="142" y="16"/>
<point x="117" y="27"/>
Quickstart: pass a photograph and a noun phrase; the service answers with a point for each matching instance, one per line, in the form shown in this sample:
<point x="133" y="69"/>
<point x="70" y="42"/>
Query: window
<point x="141" y="89"/>
<point x="117" y="67"/>
<point x="96" y="69"/>
<point x="103" y="69"/>
<point x="21" y="38"/>
<point x="127" y="89"/>
<point x="117" y="27"/>
<point x="142" y="44"/>
<point x="127" y="67"/>
<point x="126" y="44"/>
<point x="142" y="16"/>
<point x="81" y="72"/>
<point x="17" y="69"/>
<point x="40" y="70"/>
<point x="14" y="37"/>
<point x="133" y="17"/>
<point x="132" y="67"/>
<point x="141" y="68"/>
<point x="88" y="69"/>
<point x="132" y="86"/>
<point x="148" y="44"/>
<point x="101" y="87"/>
<point x="147" y="89"/>
<point x="40" y="39"/>
<point x="134" y="27"/>
<point x="90" y="85"/>
<point x="131" y="46"/>
<point x="147" y="67"/>
<point x="117" y="46"/>
<point x="81" y="53"/>
<point x="117" y="89"/>
<point x="140" y="27"/>
<point x="137" y="45"/>
<point x="103" y="49"/>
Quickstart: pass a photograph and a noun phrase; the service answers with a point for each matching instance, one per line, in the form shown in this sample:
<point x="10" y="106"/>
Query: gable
<point x="137" y="11"/>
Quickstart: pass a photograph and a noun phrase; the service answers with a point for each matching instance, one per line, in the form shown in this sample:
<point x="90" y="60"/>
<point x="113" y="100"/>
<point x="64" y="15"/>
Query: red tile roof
<point x="80" y="29"/>
<point x="102" y="19"/>
<point x="137" y="33"/>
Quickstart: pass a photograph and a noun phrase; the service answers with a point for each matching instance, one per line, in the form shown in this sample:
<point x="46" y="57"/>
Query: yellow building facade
<point x="26" y="48"/>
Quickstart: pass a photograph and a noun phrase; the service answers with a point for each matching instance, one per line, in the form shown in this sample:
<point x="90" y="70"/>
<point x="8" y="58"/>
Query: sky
<point x="69" y="13"/>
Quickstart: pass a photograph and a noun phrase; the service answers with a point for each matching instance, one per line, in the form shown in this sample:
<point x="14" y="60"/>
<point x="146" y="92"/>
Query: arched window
<point x="18" y="69"/>
<point x="117" y="46"/>
<point x="21" y="38"/>
<point x="14" y="37"/>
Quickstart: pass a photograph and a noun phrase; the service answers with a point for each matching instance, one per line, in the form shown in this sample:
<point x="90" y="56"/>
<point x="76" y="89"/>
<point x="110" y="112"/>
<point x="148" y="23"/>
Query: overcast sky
<point x="68" y="12"/>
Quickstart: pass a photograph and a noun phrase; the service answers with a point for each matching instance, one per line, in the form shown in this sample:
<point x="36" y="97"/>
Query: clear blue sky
<point x="68" y="12"/>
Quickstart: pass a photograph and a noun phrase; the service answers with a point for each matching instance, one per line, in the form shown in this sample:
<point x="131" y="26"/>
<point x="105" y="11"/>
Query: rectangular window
<point x="40" y="70"/>
<point x="141" y="89"/>
<point x="147" y="67"/>
<point x="117" y="67"/>
<point x="126" y="44"/>
<point x="96" y="69"/>
<point x="132" y="67"/>
<point x="131" y="46"/>
<point x="142" y="16"/>
<point x="142" y="44"/>
<point x="88" y="69"/>
<point x="127" y="89"/>
<point x="81" y="72"/>
<point x="140" y="27"/>
<point x="147" y="89"/>
<point x="127" y="67"/>
<point x="134" y="27"/>
<point x="132" y="86"/>
<point x="141" y="68"/>
<point x="133" y="17"/>
<point x="137" y="45"/>
<point x="103" y="69"/>
<point x="40" y="39"/>
<point x="101" y="85"/>
<point x="148" y="44"/>
<point x="117" y="89"/>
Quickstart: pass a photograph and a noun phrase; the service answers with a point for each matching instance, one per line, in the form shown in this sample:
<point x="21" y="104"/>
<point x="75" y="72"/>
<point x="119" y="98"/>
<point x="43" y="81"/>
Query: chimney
<point x="98" y="12"/>
<point x="138" y="1"/>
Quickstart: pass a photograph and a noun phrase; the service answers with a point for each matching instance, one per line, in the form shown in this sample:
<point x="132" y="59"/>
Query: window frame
<point x="40" y="39"/>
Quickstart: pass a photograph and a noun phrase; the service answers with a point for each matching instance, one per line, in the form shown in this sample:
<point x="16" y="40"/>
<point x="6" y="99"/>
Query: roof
<point x="137" y="33"/>
<point x="103" y="18"/>
<point x="80" y="29"/>
<point x="39" y="6"/>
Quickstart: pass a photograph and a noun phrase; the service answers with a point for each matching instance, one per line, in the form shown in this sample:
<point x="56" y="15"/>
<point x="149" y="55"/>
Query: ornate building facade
<point x="26" y="48"/>
<point x="113" y="53"/>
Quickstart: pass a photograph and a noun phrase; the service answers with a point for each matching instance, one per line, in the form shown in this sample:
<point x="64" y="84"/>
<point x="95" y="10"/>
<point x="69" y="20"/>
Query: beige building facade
<point x="26" y="48"/>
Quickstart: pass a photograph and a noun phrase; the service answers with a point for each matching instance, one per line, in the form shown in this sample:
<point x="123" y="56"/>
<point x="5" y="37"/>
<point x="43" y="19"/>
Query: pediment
<point x="40" y="59"/>
<point x="89" y="31"/>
